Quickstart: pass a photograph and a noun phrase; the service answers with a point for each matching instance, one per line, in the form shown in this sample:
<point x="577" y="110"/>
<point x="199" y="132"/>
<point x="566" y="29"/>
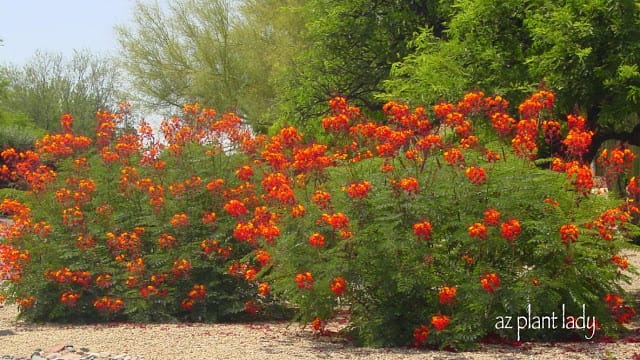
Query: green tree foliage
<point x="188" y="52"/>
<point x="50" y="85"/>
<point x="349" y="49"/>
<point x="587" y="51"/>
<point x="272" y="32"/>
<point x="16" y="129"/>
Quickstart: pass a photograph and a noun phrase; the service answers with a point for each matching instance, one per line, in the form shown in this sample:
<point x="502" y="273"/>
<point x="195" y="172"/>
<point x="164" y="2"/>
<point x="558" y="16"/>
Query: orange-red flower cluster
<point x="510" y="229"/>
<point x="621" y="261"/>
<point x="338" y="286"/>
<point x="490" y="282"/>
<point x="476" y="175"/>
<point x="420" y="335"/>
<point x="478" y="230"/>
<point x="622" y="313"/>
<point x="422" y="230"/>
<point x="409" y="185"/>
<point x="338" y="221"/>
<point x="304" y="280"/>
<point x="569" y="233"/>
<point x="447" y="295"/>
<point x="440" y="322"/>
<point x="359" y="190"/>
<point x="213" y="247"/>
<point x="65" y="275"/>
<point x="69" y="298"/>
<point x="108" y="304"/>
<point x="616" y="161"/>
<point x="532" y="107"/>
<point x="316" y="239"/>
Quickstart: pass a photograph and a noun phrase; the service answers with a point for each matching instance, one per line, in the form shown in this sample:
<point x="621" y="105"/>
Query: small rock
<point x="53" y="356"/>
<point x="58" y="348"/>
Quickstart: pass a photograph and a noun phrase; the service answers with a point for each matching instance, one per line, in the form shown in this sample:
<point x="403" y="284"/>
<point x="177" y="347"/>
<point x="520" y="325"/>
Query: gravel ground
<point x="265" y="341"/>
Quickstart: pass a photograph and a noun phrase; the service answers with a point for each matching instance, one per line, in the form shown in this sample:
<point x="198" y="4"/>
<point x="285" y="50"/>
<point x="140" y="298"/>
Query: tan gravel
<point x="269" y="341"/>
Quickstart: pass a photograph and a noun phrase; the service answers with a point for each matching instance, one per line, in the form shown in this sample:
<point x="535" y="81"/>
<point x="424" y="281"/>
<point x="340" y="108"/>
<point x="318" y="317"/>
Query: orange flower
<point x="621" y="261"/>
<point x="263" y="257"/>
<point x="316" y="240"/>
<point x="410" y="185"/>
<point x="634" y="186"/>
<point x="454" y="157"/>
<point x="502" y="123"/>
<point x="321" y="198"/>
<point x="209" y="217"/>
<point x="440" y="322"/>
<point x="263" y="289"/>
<point x="447" y="294"/>
<point x="569" y="233"/>
<point x="477" y="176"/>
<point x="187" y="304"/>
<point x="337" y="221"/>
<point x="420" y="335"/>
<point x="179" y="220"/>
<point x="244" y="173"/>
<point x="235" y="208"/>
<point x="167" y="241"/>
<point x="298" y="211"/>
<point x="338" y="286"/>
<point x="510" y="229"/>
<point x="478" y="230"/>
<point x="69" y="298"/>
<point x="422" y="230"/>
<point x="318" y="325"/>
<point x="490" y="282"/>
<point x="110" y="304"/>
<point x="197" y="292"/>
<point x="359" y="190"/>
<point x="304" y="280"/>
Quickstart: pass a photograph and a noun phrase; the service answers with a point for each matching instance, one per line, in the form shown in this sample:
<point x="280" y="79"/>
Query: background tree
<point x="586" y="51"/>
<point x="186" y="52"/>
<point x="349" y="49"/>
<point x="50" y="85"/>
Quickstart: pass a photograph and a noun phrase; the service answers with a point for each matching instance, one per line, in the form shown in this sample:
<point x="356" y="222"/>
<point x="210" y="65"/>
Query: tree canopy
<point x="50" y="85"/>
<point x="586" y="51"/>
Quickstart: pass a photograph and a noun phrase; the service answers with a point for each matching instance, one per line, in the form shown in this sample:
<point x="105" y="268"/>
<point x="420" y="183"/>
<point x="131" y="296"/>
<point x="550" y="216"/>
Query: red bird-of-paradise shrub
<point x="460" y="226"/>
<point x="430" y="226"/>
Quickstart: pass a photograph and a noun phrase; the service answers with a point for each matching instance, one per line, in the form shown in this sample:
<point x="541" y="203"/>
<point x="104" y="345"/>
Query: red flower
<point x="235" y="208"/>
<point x="318" y="325"/>
<point x="477" y="176"/>
<point x="440" y="322"/>
<point x="569" y="233"/>
<point x="359" y="190"/>
<point x="244" y="173"/>
<point x="420" y="335"/>
<point x="510" y="229"/>
<point x="454" y="157"/>
<point x="338" y="286"/>
<point x="621" y="261"/>
<point x="410" y="185"/>
<point x="448" y="294"/>
<point x="422" y="230"/>
<point x="478" y="230"/>
<point x="316" y="240"/>
<point x="490" y="282"/>
<point x="337" y="220"/>
<point x="263" y="257"/>
<point x="304" y="280"/>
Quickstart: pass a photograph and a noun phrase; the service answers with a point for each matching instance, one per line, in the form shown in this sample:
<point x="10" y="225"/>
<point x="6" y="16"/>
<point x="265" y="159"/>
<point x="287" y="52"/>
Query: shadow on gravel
<point x="6" y="332"/>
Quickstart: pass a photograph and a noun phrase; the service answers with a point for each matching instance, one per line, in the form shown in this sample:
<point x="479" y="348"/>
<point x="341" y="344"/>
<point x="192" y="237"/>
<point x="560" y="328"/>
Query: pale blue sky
<point x="59" y="26"/>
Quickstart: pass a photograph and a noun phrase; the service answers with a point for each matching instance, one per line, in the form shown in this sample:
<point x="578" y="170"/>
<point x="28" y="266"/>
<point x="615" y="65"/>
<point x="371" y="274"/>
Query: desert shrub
<point x="432" y="232"/>
<point x="131" y="227"/>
